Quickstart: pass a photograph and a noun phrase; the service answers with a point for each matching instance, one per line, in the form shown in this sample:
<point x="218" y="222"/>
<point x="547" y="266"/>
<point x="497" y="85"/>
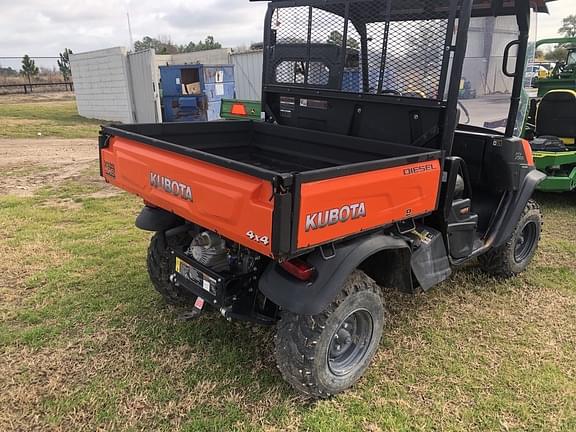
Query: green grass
<point x="55" y="119"/>
<point x="86" y="343"/>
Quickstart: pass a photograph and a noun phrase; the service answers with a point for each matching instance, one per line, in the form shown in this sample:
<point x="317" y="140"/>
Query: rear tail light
<point x="528" y="152"/>
<point x="299" y="269"/>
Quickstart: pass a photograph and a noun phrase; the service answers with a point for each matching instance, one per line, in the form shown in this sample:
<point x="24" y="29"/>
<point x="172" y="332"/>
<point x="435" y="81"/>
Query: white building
<point x="115" y="85"/>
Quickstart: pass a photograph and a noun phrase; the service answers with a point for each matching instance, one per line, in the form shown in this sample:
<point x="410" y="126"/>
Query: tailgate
<point x="236" y="205"/>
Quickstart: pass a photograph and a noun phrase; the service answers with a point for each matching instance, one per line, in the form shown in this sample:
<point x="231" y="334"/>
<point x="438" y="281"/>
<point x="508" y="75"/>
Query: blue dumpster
<point x="195" y="92"/>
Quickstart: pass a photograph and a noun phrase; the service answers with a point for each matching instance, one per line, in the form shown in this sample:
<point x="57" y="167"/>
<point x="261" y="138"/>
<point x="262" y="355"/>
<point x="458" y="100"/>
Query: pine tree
<point x="64" y="64"/>
<point x="29" y="68"/>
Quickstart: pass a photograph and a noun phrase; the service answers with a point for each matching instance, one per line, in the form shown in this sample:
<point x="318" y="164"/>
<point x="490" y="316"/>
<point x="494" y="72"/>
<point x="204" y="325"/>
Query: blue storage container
<point x="183" y="109"/>
<point x="195" y="92"/>
<point x="351" y="80"/>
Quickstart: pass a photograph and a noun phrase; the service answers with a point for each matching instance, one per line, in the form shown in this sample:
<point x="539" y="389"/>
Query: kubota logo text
<point x="330" y="217"/>
<point x="170" y="186"/>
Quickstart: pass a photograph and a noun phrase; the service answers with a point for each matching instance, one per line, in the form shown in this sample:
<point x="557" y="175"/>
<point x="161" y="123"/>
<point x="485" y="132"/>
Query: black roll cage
<point x="407" y="10"/>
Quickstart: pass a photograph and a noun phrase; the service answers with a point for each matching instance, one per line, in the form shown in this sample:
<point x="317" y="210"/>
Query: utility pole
<point x="130" y="30"/>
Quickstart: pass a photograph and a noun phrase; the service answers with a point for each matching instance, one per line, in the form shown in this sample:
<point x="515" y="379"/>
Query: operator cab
<point x="567" y="68"/>
<point x="391" y="70"/>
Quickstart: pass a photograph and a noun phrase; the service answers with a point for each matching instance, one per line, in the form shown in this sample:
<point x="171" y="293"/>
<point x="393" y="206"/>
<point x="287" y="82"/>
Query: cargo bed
<point x="273" y="188"/>
<point x="268" y="151"/>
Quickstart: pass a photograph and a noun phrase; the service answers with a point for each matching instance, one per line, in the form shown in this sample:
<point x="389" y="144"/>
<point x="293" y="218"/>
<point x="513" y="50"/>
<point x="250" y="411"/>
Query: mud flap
<point x="429" y="261"/>
<point x="516" y="206"/>
<point x="156" y="219"/>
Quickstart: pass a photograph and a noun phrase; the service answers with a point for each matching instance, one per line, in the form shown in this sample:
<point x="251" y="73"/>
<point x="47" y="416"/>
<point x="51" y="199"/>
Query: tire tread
<point x="499" y="261"/>
<point x="160" y="267"/>
<point x="297" y="336"/>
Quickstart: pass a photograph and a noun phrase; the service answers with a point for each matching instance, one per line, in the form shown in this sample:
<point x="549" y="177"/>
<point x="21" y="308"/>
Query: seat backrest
<point x="557" y="114"/>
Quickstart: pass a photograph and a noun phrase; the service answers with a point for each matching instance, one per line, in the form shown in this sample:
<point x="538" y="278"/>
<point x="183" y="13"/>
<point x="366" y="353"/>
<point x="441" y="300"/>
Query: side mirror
<point x="507" y="57"/>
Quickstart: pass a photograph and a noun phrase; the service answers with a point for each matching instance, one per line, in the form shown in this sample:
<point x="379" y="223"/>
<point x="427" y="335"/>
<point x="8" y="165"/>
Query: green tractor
<point x="563" y="75"/>
<point x="551" y="123"/>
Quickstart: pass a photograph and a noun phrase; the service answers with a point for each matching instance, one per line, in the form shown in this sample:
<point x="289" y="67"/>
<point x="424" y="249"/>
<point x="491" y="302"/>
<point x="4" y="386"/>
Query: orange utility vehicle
<point x="359" y="179"/>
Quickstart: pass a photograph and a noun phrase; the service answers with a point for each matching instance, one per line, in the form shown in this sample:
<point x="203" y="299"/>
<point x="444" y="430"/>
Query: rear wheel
<point x="325" y="354"/>
<point x="515" y="256"/>
<point x="161" y="265"/>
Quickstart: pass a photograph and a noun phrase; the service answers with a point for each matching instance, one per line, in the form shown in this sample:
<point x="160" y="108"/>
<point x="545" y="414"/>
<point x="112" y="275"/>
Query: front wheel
<point x="325" y="354"/>
<point x="516" y="254"/>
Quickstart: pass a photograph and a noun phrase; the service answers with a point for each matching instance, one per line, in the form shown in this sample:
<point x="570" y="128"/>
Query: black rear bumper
<point x="235" y="296"/>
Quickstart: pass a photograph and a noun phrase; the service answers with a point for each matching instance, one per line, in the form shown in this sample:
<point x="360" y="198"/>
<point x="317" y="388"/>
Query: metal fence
<point x="48" y="78"/>
<point x="36" y="88"/>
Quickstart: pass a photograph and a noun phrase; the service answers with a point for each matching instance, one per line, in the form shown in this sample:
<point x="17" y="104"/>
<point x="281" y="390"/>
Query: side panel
<point x="231" y="203"/>
<point x="335" y="208"/>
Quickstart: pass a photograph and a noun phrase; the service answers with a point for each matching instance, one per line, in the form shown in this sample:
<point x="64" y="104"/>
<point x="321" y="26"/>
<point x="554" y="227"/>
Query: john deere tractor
<point x="551" y="125"/>
<point x="563" y="76"/>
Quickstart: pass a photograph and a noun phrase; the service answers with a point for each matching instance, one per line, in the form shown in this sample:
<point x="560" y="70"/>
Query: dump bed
<point x="275" y="189"/>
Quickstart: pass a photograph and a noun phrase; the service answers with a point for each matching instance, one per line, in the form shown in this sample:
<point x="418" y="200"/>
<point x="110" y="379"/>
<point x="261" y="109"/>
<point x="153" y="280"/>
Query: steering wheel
<point x="465" y="110"/>
<point x="558" y="69"/>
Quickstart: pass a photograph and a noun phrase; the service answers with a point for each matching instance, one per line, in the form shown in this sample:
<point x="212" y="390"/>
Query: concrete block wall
<point x="102" y="85"/>
<point x="210" y="57"/>
<point x="163" y="59"/>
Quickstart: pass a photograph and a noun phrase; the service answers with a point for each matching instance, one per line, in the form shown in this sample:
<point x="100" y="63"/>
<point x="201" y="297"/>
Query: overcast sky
<point x="45" y="28"/>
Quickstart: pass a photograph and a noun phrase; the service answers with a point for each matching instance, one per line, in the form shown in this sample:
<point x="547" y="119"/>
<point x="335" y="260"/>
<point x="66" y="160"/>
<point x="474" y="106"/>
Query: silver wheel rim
<point x="350" y="342"/>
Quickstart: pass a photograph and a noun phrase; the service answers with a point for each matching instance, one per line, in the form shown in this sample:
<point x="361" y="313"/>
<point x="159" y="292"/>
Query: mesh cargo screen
<point x="398" y="47"/>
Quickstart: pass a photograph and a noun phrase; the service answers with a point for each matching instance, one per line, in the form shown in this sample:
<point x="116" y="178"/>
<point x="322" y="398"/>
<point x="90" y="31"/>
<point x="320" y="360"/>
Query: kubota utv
<point x="360" y="179"/>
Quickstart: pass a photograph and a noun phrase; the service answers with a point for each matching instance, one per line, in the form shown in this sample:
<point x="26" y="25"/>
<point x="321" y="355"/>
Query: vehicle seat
<point x="548" y="144"/>
<point x="557" y="114"/>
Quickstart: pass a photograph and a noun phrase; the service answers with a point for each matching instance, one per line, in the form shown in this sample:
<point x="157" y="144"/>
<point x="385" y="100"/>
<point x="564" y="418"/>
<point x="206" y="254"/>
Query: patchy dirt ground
<point x="29" y="164"/>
